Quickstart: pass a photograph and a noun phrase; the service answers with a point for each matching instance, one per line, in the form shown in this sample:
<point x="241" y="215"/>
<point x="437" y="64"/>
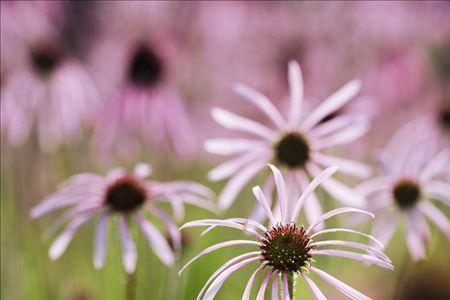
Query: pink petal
<point x="285" y="287"/>
<point x="262" y="102"/>
<point x="264" y="204"/>
<point x="436" y="165"/>
<point x="344" y="136"/>
<point x="232" y="121"/>
<point x="414" y="242"/>
<point x="216" y="247"/>
<point x="100" y="240"/>
<point x="335" y="124"/>
<point x="333" y="103"/>
<point x="356" y="256"/>
<point x="335" y="212"/>
<point x="262" y="289"/>
<point x="172" y="228"/>
<point x="371" y="250"/>
<point x="436" y="216"/>
<point x="349" y="231"/>
<point x="342" y="287"/>
<point x="438" y="190"/>
<point x="233" y="146"/>
<point x="230" y="167"/>
<point x="346" y="166"/>
<point x="248" y="288"/>
<point x="296" y="89"/>
<point x="156" y="240"/>
<point x="384" y="227"/>
<point x="129" y="255"/>
<point x="373" y="185"/>
<point x="275" y="285"/>
<point x="313" y="288"/>
<point x="281" y="191"/>
<point x="224" y="223"/>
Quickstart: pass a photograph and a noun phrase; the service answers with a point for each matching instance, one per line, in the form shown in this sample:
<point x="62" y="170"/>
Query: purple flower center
<point x="406" y="193"/>
<point x="286" y="247"/>
<point x="45" y="60"/>
<point x="146" y="68"/>
<point x="292" y="150"/>
<point x="125" y="195"/>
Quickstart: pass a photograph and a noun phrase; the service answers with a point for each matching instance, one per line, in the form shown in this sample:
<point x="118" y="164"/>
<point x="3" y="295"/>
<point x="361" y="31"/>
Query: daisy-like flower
<point x="296" y="144"/>
<point x="127" y="196"/>
<point x="412" y="174"/>
<point x="285" y="249"/>
<point x="45" y="87"/>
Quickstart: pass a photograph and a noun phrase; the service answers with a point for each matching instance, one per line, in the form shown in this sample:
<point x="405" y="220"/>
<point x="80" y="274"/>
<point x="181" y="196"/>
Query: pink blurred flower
<point x="128" y="196"/>
<point x="296" y="143"/>
<point x="284" y="248"/>
<point x="412" y="173"/>
<point x="43" y="87"/>
<point x="137" y="70"/>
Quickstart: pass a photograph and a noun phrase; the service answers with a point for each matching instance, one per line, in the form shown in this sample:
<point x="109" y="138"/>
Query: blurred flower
<point x="411" y="174"/>
<point x="286" y="249"/>
<point x="126" y="195"/>
<point x="137" y="71"/>
<point x="43" y="86"/>
<point x="296" y="144"/>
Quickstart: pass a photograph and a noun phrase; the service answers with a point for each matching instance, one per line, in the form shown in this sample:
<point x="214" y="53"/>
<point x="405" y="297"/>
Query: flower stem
<point x="130" y="286"/>
<point x="292" y="282"/>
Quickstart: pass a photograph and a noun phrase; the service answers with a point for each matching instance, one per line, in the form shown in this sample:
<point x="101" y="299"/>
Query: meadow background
<point x="400" y="51"/>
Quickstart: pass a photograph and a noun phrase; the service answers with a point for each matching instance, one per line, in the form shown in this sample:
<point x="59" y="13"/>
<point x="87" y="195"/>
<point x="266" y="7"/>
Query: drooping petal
<point x="330" y="230"/>
<point x="333" y="103"/>
<point x="356" y="256"/>
<point x="156" y="240"/>
<point x="335" y="212"/>
<point x="262" y="102"/>
<point x="248" y="288"/>
<point x="216" y="247"/>
<point x="262" y="289"/>
<point x="285" y="287"/>
<point x="232" y="121"/>
<point x="275" y="285"/>
<point x="100" y="240"/>
<point x="371" y="250"/>
<point x="129" y="255"/>
<point x="313" y="287"/>
<point x="342" y="287"/>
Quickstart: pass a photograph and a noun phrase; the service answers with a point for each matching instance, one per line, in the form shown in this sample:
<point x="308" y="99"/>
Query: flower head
<point x="296" y="143"/>
<point x="285" y="248"/>
<point x="412" y="173"/>
<point x="128" y="196"/>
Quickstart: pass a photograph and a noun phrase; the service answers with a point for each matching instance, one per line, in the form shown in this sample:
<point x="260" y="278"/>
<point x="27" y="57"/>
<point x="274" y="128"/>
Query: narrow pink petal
<point x="218" y="282"/>
<point x="342" y="287"/>
<point x="263" y="202"/>
<point x="177" y="205"/>
<point x="285" y="287"/>
<point x="129" y="255"/>
<point x="330" y="230"/>
<point x="246" y="222"/>
<point x="436" y="165"/>
<point x="346" y="166"/>
<point x="248" y="288"/>
<point x="341" y="192"/>
<point x="232" y="121"/>
<point x="230" y="167"/>
<point x="182" y="186"/>
<point x="275" y="285"/>
<point x="307" y="191"/>
<point x="335" y="124"/>
<point x="313" y="210"/>
<point x="156" y="240"/>
<point x="233" y="146"/>
<point x="376" y="184"/>
<point x="335" y="212"/>
<point x="216" y="247"/>
<point x="438" y="190"/>
<point x="224" y="223"/>
<point x="436" y="216"/>
<point x="262" y="102"/>
<point x="281" y="191"/>
<point x="333" y="103"/>
<point x="296" y="90"/>
<point x="342" y="137"/>
<point x="199" y="202"/>
<point x="371" y="250"/>
<point x="262" y="289"/>
<point x="225" y="266"/>
<point x="356" y="256"/>
<point x="421" y="225"/>
<point x="100" y="240"/>
<point x="313" y="287"/>
<point x="384" y="227"/>
<point x="414" y="242"/>
<point x="237" y="183"/>
<point x="172" y="228"/>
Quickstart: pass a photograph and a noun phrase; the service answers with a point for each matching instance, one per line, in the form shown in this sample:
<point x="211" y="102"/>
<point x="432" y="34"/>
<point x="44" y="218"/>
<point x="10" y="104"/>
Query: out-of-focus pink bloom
<point x="137" y="70"/>
<point x="43" y="87"/>
<point x="412" y="173"/>
<point x="296" y="143"/>
<point x="284" y="248"/>
<point x="128" y="196"/>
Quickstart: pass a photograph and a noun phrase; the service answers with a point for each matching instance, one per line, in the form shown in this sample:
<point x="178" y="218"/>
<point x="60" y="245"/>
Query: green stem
<point x="130" y="286"/>
<point x="292" y="282"/>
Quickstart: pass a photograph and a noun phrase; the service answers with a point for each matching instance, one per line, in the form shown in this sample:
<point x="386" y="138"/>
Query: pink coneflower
<point x="138" y="71"/>
<point x="45" y="87"/>
<point x="127" y="196"/>
<point x="285" y="249"/>
<point x="411" y="175"/>
<point x="296" y="143"/>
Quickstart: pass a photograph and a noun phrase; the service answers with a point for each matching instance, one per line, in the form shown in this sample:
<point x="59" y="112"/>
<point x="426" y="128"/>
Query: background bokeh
<point x="399" y="50"/>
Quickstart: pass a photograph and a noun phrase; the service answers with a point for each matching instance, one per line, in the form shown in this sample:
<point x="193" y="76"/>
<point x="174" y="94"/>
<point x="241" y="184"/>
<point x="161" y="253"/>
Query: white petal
<point x="142" y="170"/>
<point x="342" y="137"/>
<point x="296" y="90"/>
<point x="129" y="255"/>
<point x="172" y="228"/>
<point x="414" y="242"/>
<point x="335" y="124"/>
<point x="230" y="167"/>
<point x="333" y="103"/>
<point x="438" y="190"/>
<point x="233" y="146"/>
<point x="100" y="240"/>
<point x="232" y="121"/>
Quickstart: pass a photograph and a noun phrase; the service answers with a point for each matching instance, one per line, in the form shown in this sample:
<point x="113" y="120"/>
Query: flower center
<point x="125" y="195"/>
<point x="285" y="247"/>
<point x="145" y="68"/>
<point x="445" y="118"/>
<point x="45" y="59"/>
<point x="292" y="150"/>
<point x="406" y="193"/>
